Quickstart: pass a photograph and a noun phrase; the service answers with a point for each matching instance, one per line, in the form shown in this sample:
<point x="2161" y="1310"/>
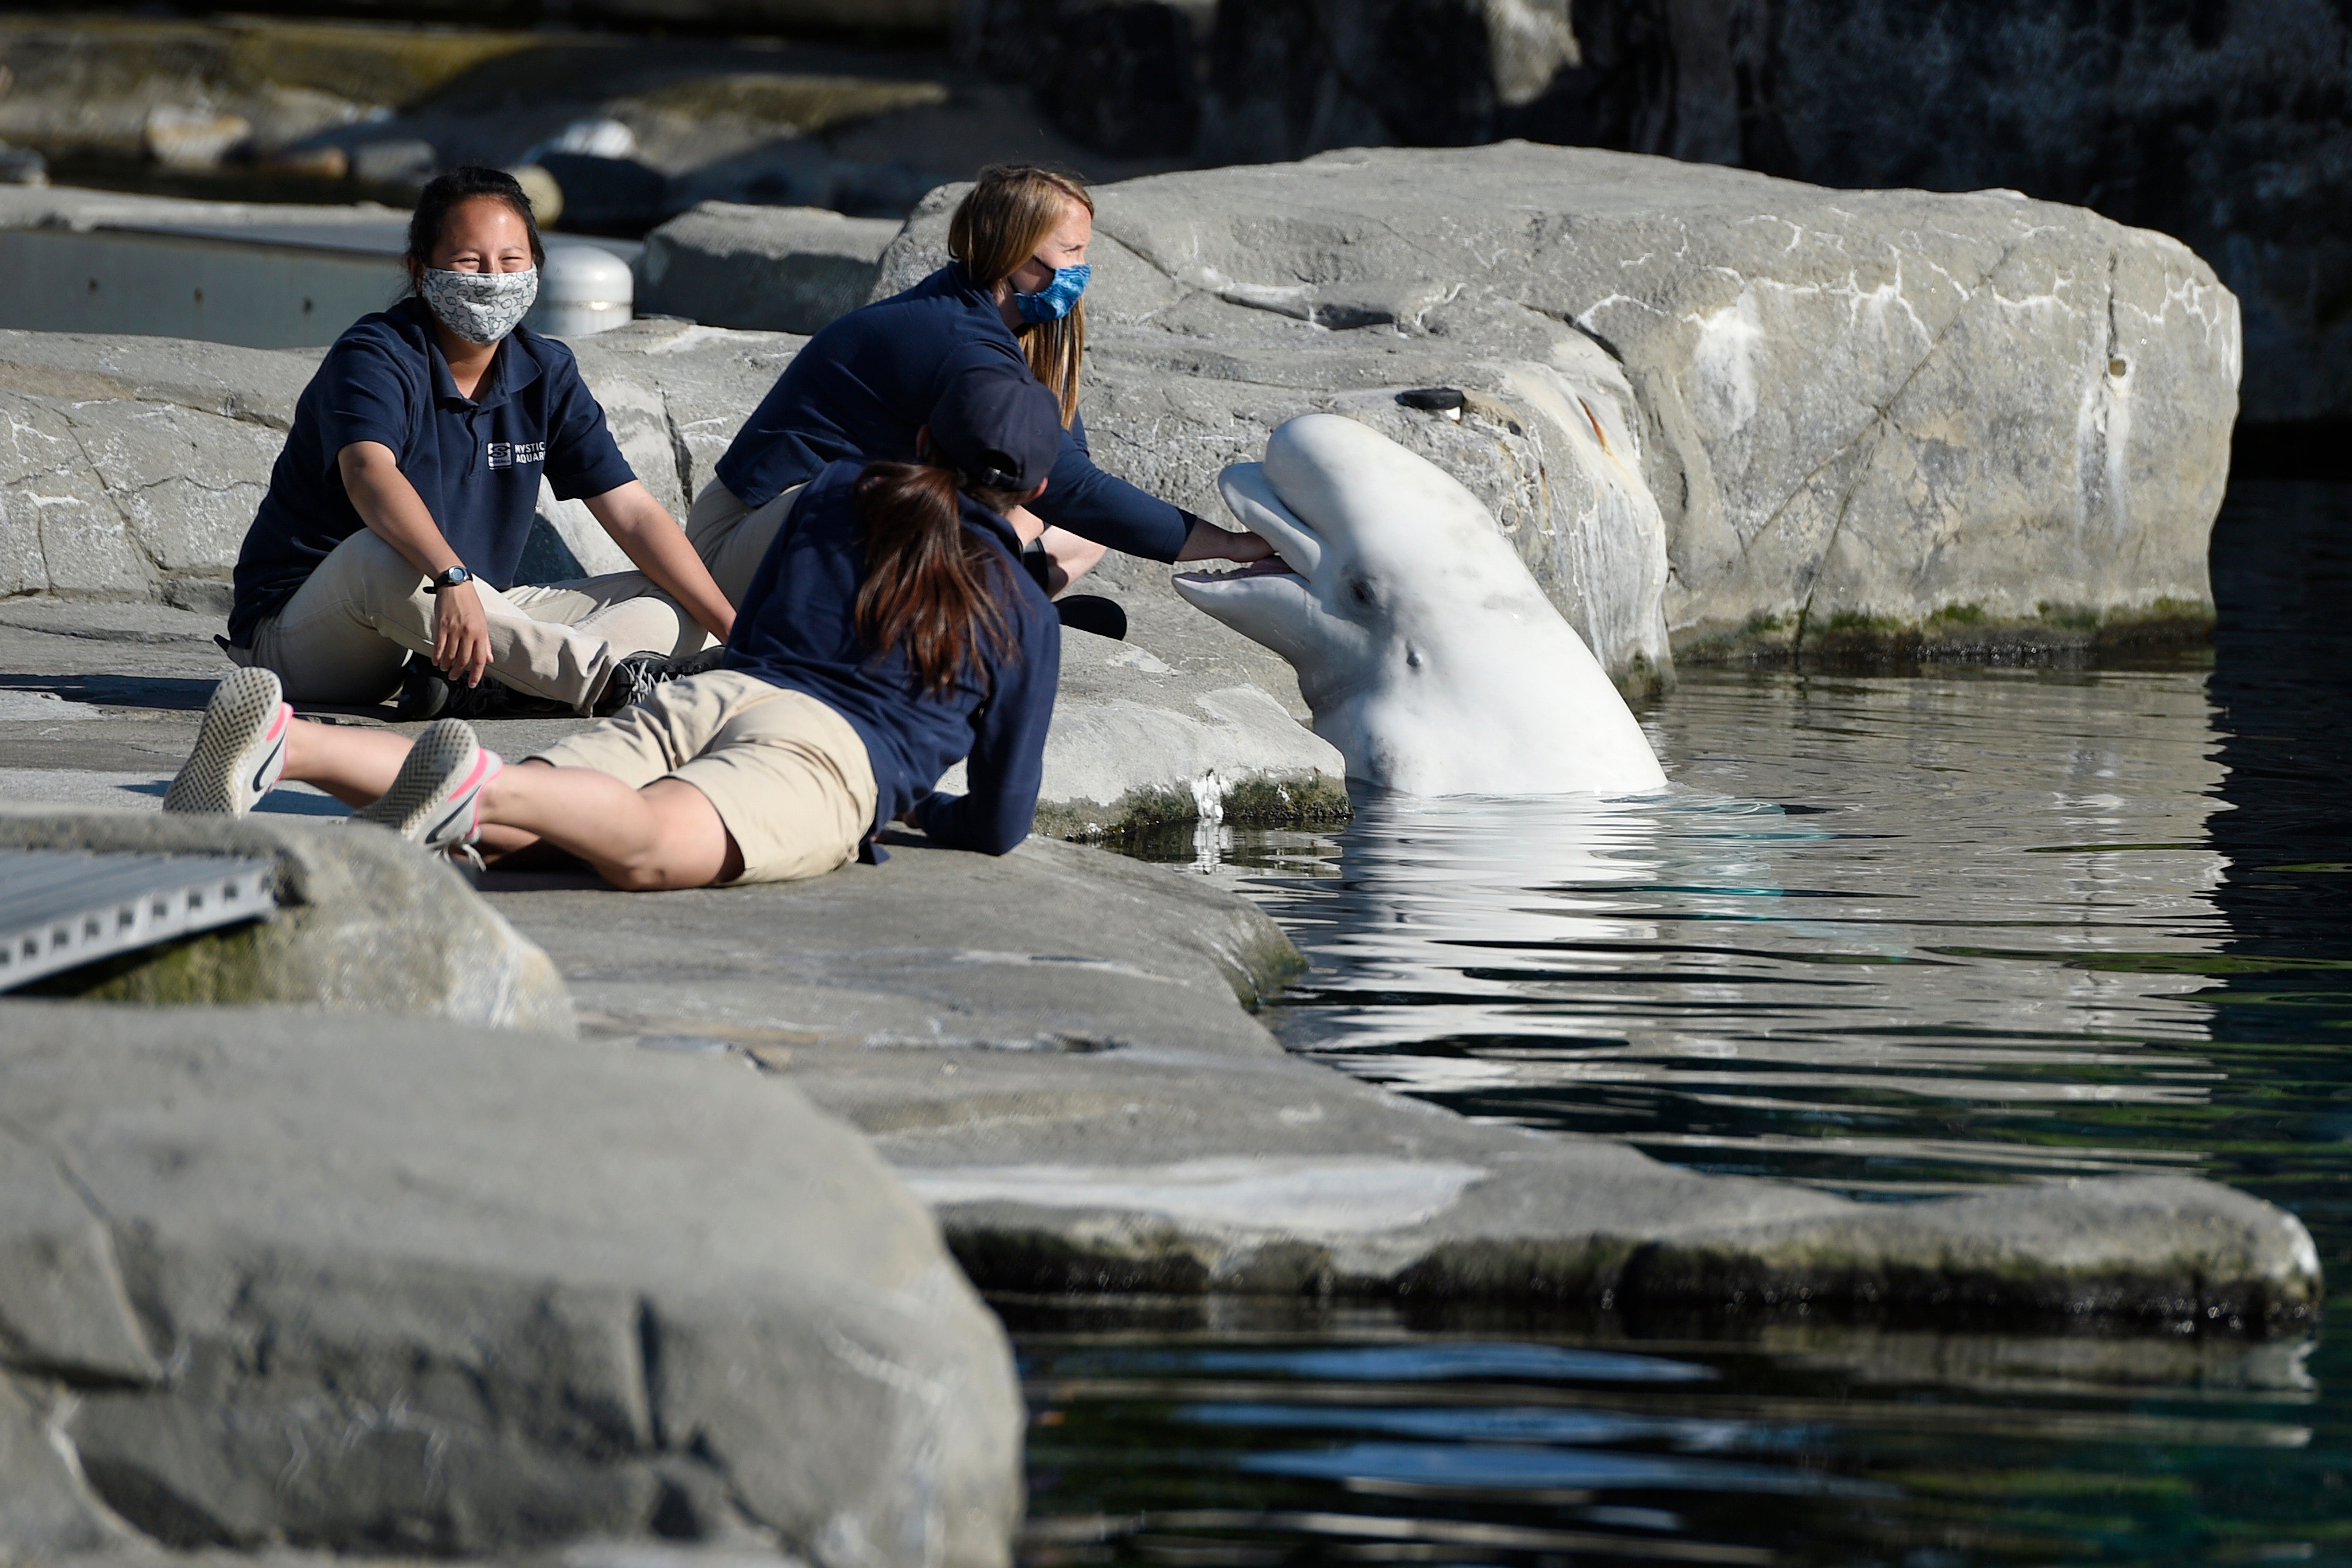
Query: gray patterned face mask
<point x="481" y="307"/>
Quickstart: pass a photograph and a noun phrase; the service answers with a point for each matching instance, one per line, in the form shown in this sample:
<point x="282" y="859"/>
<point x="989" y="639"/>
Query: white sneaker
<point x="240" y="748"/>
<point x="436" y="801"/>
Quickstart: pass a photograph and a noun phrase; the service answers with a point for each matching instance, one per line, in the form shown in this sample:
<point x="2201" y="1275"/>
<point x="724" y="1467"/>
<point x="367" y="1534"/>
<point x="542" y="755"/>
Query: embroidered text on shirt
<point x="508" y="454"/>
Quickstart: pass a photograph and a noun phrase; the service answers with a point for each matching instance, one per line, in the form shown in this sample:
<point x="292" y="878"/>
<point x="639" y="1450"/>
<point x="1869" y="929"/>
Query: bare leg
<point x="353" y="765"/>
<point x="667" y="835"/>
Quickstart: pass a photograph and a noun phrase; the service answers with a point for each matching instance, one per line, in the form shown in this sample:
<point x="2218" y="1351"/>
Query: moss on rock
<point x="1294" y="801"/>
<point x="1956" y="633"/>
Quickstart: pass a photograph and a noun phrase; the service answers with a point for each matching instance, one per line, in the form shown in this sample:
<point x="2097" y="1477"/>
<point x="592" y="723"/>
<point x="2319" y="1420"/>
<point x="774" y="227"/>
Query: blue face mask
<point x="1052" y="302"/>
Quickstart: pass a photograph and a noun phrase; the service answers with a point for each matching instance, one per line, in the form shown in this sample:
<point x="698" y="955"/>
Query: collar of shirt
<point x="513" y="367"/>
<point x="954" y="280"/>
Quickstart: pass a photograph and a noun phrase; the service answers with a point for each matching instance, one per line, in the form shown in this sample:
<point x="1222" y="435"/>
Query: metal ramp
<point x="60" y="908"/>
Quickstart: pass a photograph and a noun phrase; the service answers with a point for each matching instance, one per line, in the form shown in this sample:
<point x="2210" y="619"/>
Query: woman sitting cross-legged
<point x="386" y="549"/>
<point x="890" y="631"/>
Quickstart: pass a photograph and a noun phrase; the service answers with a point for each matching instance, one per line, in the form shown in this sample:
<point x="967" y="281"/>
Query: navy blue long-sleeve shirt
<point x="866" y="383"/>
<point x="797" y="628"/>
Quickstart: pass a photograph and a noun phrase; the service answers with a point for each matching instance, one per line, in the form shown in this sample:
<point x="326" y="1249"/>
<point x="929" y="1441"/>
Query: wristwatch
<point x="449" y="579"/>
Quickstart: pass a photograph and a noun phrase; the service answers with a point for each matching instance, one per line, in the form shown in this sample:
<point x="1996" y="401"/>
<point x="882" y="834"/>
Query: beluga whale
<point x="1430" y="657"/>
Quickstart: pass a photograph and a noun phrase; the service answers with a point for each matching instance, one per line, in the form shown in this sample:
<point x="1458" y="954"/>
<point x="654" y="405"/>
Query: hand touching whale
<point x="1431" y="659"/>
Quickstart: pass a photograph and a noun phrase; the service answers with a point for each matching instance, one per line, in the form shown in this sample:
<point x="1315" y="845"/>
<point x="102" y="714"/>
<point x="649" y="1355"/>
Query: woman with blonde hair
<point x="866" y="383"/>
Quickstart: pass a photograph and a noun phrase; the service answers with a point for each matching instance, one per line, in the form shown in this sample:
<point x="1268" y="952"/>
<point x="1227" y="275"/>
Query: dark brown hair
<point x="931" y="588"/>
<point x="443" y="193"/>
<point x="998" y="226"/>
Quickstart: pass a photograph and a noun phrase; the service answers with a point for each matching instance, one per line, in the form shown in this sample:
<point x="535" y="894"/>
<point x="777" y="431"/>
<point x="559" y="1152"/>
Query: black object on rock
<point x="426" y="693"/>
<point x="1434" y="399"/>
<point x="1093" y="613"/>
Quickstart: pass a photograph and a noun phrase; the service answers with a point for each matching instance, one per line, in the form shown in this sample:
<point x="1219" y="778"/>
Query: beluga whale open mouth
<point x="1430" y="656"/>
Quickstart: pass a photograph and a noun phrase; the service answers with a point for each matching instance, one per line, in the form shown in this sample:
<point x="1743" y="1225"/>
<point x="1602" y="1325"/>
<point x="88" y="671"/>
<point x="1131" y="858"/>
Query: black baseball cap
<point x="998" y="427"/>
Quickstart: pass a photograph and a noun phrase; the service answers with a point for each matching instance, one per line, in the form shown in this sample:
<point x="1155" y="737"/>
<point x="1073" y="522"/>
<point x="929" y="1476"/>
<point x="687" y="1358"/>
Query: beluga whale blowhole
<point x="1430" y="657"/>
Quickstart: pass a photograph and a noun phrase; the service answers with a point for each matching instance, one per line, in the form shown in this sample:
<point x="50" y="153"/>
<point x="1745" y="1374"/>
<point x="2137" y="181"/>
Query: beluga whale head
<point x="1429" y="655"/>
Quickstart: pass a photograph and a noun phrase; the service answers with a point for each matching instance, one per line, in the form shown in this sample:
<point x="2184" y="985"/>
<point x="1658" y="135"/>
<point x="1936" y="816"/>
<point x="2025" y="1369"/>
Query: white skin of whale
<point x="1430" y="657"/>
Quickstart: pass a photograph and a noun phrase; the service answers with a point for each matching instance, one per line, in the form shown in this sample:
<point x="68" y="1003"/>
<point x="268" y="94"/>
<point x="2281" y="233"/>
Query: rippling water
<point x="1889" y="935"/>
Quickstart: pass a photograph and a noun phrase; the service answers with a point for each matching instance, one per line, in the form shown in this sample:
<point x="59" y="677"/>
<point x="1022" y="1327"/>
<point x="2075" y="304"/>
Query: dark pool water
<point x="1893" y="935"/>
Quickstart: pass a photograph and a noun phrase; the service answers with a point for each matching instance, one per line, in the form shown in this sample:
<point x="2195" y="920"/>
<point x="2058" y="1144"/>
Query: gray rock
<point x="454" y="1291"/>
<point x="129" y="466"/>
<point x="366" y="924"/>
<point x="1046" y="1046"/>
<point x="789" y="271"/>
<point x="49" y="1511"/>
<point x="2219" y="123"/>
<point x="1853" y="409"/>
<point x="1137" y="742"/>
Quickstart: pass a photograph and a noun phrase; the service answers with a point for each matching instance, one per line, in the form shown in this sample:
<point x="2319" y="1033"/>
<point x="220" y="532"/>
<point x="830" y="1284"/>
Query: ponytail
<point x="930" y="587"/>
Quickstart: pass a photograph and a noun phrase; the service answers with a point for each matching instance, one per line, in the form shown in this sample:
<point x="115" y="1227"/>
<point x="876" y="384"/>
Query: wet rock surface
<point x="448" y="1291"/>
<point x="1741" y="411"/>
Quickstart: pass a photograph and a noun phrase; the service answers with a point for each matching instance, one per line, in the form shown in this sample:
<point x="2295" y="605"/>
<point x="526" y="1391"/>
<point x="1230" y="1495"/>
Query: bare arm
<point x="651" y="537"/>
<point x="396" y="514"/>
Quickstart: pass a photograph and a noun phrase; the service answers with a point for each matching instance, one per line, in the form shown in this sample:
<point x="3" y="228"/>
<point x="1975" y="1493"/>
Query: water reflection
<point x="1987" y="892"/>
<point x="1266" y="1432"/>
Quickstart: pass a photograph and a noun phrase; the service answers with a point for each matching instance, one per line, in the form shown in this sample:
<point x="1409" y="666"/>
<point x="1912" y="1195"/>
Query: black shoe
<point x="633" y="678"/>
<point x="422" y="693"/>
<point x="1093" y="613"/>
<point x="426" y="693"/>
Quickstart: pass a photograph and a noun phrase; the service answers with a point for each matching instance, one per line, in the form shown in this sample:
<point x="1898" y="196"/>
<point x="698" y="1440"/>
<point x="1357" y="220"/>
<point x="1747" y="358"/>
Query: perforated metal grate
<point x="62" y="909"/>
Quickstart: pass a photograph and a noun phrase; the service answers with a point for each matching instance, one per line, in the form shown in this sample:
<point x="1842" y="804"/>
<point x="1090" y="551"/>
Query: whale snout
<point x="1251" y="497"/>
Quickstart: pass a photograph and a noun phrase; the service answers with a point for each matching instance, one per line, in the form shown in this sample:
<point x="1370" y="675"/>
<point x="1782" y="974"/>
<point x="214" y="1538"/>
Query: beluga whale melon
<point x="1430" y="657"/>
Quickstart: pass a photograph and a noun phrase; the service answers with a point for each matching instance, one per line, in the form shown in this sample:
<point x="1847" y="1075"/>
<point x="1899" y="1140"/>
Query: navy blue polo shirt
<point x="866" y="383"/>
<point x="797" y="628"/>
<point x="476" y="461"/>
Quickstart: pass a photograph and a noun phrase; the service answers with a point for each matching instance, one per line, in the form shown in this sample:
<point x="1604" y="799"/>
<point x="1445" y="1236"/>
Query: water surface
<point x="1892" y="936"/>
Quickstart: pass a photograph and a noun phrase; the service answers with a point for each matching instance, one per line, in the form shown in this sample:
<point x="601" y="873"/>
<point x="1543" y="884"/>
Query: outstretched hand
<point x="1207" y="542"/>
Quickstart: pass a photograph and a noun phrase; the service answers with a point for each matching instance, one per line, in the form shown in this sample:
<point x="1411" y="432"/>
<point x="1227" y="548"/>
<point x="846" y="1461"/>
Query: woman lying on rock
<point x="890" y="633"/>
<point x="396" y="516"/>
<point x="864" y="384"/>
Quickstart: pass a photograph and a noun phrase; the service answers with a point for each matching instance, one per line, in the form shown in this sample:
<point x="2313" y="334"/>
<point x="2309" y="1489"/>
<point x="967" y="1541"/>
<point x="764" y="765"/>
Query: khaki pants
<point x="786" y="774"/>
<point x="731" y="538"/>
<point x="345" y="633"/>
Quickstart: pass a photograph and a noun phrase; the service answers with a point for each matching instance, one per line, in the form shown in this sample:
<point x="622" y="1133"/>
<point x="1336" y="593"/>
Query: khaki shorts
<point x="788" y="776"/>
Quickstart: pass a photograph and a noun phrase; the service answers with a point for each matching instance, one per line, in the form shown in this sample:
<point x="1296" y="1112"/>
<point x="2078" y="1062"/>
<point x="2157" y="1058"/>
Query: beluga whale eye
<point x="1362" y="592"/>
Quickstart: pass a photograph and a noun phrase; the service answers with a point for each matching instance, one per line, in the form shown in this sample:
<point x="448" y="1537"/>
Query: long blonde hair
<point x="999" y="224"/>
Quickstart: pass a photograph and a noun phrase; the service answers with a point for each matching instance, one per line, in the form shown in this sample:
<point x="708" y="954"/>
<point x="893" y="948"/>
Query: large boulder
<point x="2223" y="124"/>
<point x="444" y="1290"/>
<point x="783" y="270"/>
<point x="365" y="922"/>
<point x="1743" y="410"/>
